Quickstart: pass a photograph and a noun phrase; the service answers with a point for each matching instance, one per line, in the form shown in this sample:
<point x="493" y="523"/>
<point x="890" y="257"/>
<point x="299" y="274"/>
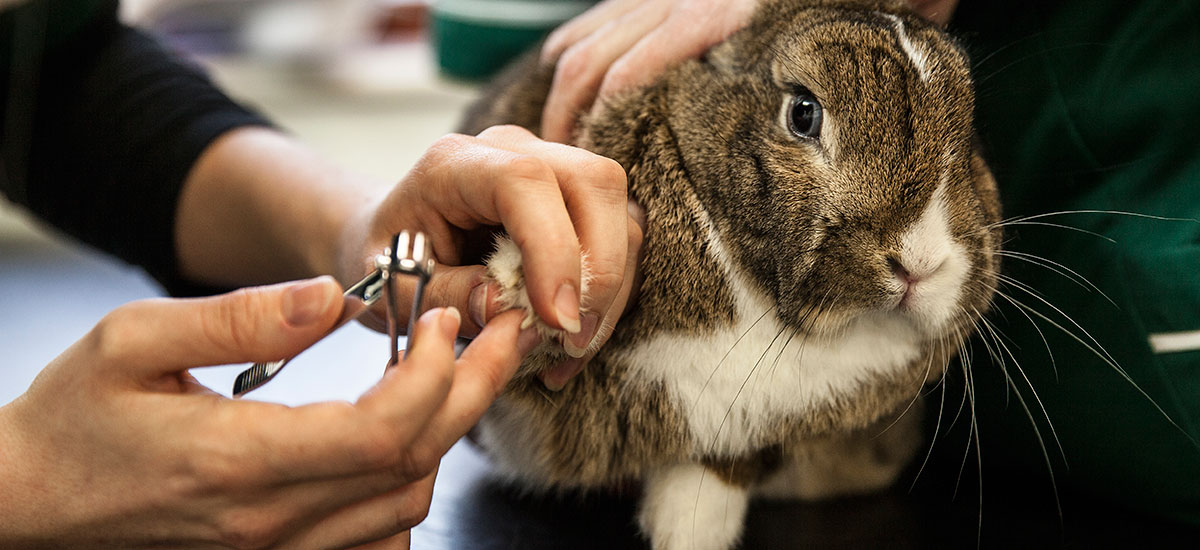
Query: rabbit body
<point x="798" y="290"/>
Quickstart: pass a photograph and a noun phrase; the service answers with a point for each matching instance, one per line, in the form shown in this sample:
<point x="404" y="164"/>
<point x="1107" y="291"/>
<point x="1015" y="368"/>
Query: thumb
<point x="465" y="288"/>
<point x="247" y="325"/>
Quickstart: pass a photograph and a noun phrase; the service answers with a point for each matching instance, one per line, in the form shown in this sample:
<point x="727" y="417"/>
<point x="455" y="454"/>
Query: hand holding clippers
<point x="409" y="254"/>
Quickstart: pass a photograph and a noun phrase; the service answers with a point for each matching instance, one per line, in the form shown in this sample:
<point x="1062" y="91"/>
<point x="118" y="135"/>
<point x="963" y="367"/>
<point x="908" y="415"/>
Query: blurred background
<point x="369" y="83"/>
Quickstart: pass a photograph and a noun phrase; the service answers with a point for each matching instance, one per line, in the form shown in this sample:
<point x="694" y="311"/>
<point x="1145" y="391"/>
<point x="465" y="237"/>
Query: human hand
<point x="115" y="444"/>
<point x="938" y="11"/>
<point x="620" y="44"/>
<point x="552" y="199"/>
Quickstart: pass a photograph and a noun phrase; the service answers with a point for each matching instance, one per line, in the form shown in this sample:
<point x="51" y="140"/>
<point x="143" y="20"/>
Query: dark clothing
<point x="101" y="126"/>
<point x="1085" y="106"/>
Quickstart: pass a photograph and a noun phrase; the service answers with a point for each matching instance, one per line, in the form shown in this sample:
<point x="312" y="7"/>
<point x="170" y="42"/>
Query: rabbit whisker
<point x="1036" y="327"/>
<point x="1058" y="268"/>
<point x="1100" y="353"/>
<point x="1029" y="414"/>
<point x="741" y="388"/>
<point x="1059" y="226"/>
<point x="1002" y="223"/>
<point x="984" y="78"/>
<point x="717" y="367"/>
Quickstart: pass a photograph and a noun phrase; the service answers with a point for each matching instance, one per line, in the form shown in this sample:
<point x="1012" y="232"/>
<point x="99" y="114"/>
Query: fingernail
<point x="576" y="345"/>
<point x="557" y="377"/>
<point x="449" y="322"/>
<point x="527" y="340"/>
<point x="477" y="304"/>
<point x="566" y="305"/>
<point x="303" y="303"/>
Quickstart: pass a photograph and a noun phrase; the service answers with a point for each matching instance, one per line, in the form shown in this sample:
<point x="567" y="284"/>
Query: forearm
<point x="259" y="207"/>
<point x="112" y="126"/>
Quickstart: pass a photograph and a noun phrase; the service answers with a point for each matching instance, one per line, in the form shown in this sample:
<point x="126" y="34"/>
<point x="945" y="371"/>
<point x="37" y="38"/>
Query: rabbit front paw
<point x="688" y="507"/>
<point x="505" y="267"/>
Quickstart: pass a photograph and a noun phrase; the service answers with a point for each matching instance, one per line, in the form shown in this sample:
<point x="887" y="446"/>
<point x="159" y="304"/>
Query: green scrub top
<point x="1094" y="105"/>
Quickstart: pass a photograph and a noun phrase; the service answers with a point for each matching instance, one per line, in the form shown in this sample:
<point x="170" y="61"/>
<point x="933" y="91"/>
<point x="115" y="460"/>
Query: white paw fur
<point x="504" y="267"/>
<point x="688" y="507"/>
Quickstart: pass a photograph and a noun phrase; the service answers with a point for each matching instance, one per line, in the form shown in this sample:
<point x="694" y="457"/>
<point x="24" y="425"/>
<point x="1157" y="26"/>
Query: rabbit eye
<point x="804" y="115"/>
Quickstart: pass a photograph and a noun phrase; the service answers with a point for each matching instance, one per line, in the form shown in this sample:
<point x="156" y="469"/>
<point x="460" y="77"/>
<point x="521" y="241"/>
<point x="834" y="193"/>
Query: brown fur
<point x="812" y="225"/>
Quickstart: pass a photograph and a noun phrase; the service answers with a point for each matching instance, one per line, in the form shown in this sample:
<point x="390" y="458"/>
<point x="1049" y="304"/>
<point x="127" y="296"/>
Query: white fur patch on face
<point x="735" y="384"/>
<point x="929" y="252"/>
<point x="916" y="54"/>
<point x="687" y="507"/>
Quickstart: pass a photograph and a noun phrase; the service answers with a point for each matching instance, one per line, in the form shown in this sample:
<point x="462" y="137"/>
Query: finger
<point x="332" y="458"/>
<point x="483" y="371"/>
<point x="485" y="182"/>
<point x="581" y="67"/>
<point x="464" y="288"/>
<point x="329" y="440"/>
<point x="557" y="377"/>
<point x="457" y="287"/>
<point x="938" y="11"/>
<point x="373" y="523"/>
<point x="413" y="390"/>
<point x="252" y="324"/>
<point x="399" y="541"/>
<point x="595" y="191"/>
<point x="481" y="374"/>
<point x="583" y="25"/>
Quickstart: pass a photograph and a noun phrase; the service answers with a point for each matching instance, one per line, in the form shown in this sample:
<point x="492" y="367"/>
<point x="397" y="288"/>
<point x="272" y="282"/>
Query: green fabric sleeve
<point x="1093" y="106"/>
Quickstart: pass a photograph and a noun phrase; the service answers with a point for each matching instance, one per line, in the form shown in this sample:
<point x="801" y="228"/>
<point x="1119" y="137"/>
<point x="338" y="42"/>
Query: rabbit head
<point x="831" y="146"/>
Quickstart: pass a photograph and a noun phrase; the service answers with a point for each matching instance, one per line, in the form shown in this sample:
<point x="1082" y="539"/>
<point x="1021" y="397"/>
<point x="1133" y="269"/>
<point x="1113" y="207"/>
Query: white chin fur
<point x="687" y="507"/>
<point x="735" y="384"/>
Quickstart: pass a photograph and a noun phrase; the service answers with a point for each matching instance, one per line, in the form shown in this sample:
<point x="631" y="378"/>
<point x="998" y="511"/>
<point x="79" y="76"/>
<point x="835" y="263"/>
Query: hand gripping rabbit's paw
<point x="689" y="507"/>
<point x="505" y="267"/>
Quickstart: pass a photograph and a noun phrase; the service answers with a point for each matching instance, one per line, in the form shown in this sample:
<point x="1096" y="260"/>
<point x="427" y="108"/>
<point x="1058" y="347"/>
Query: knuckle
<point x="575" y="65"/>
<point x="250" y="529"/>
<point x="496" y="383"/>
<point x="619" y="76"/>
<point x="116" y="334"/>
<point x="557" y="42"/>
<point x="380" y="447"/>
<point x="210" y="473"/>
<point x="445" y="147"/>
<point x="506" y="132"/>
<point x="235" y="320"/>
<point x="451" y="142"/>
<point x="562" y="242"/>
<point x="526" y="168"/>
<point x="606" y="278"/>
<point x="607" y="176"/>
<point x="420" y="461"/>
<point x="408" y="517"/>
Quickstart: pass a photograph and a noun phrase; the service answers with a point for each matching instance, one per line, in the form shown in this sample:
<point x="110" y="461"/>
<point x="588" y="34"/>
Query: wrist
<point x="259" y="208"/>
<point x="21" y="501"/>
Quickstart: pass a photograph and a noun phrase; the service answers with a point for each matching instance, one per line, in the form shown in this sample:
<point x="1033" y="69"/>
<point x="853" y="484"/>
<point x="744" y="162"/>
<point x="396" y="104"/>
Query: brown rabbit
<point x="821" y="238"/>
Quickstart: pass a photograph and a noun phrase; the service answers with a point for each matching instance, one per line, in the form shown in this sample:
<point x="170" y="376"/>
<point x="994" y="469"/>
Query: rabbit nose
<point x="908" y="274"/>
<point x="899" y="270"/>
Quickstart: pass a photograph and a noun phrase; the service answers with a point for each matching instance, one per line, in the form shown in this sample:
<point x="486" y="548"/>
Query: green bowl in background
<point x="476" y="38"/>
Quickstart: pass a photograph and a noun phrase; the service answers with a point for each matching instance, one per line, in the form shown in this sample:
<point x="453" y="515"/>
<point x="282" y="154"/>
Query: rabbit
<point x="821" y="237"/>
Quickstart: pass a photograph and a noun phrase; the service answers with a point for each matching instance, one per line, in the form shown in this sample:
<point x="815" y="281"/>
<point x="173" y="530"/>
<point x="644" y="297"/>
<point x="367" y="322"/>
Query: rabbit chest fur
<point x="821" y="237"/>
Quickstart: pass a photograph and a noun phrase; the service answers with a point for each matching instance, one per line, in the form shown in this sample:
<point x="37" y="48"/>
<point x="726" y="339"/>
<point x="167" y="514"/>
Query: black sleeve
<point x="117" y="122"/>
